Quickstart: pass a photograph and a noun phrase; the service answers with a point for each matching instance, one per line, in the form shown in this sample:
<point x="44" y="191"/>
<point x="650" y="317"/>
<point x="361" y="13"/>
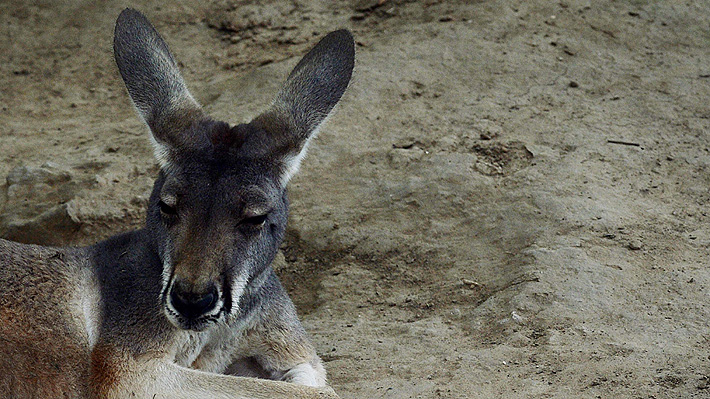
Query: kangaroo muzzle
<point x="192" y="303"/>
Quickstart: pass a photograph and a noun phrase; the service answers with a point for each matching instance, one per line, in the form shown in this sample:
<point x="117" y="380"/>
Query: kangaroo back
<point x="44" y="346"/>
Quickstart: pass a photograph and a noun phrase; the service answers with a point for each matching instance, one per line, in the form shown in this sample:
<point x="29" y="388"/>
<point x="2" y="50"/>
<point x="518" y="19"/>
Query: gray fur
<point x="153" y="79"/>
<point x="193" y="289"/>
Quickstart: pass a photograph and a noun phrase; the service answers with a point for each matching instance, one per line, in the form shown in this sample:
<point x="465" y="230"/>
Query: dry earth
<point x="466" y="226"/>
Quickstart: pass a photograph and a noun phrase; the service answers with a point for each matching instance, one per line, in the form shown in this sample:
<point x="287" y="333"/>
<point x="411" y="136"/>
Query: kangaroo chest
<point x="212" y="350"/>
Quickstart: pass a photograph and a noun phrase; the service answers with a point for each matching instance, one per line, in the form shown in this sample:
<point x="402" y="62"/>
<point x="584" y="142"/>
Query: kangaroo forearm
<point x="167" y="380"/>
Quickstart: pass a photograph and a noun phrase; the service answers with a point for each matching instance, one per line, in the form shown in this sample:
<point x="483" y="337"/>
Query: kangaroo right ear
<point x="307" y="98"/>
<point x="154" y="83"/>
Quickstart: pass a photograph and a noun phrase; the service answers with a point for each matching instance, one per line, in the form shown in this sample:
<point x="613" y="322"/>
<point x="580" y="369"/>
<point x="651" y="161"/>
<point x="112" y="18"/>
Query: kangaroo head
<point x="219" y="208"/>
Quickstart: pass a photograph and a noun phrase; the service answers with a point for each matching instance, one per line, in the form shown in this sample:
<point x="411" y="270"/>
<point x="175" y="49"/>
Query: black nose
<point x="192" y="305"/>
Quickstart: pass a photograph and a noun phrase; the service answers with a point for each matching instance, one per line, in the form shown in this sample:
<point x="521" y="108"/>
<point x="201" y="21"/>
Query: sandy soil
<point x="511" y="201"/>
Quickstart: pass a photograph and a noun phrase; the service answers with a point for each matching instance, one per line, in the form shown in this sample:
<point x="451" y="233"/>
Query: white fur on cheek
<point x="306" y="374"/>
<point x="90" y="299"/>
<point x="239" y="285"/>
<point x="167" y="270"/>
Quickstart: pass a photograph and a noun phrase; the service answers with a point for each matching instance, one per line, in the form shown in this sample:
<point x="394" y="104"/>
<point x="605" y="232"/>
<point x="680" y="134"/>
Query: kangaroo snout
<point x="192" y="304"/>
<point x="192" y="307"/>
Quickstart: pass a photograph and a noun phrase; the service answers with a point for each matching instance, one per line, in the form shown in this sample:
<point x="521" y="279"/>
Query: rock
<point x="39" y="208"/>
<point x="635" y="245"/>
<point x="55" y="226"/>
<point x="400" y="158"/>
<point x="517" y="317"/>
<point x="24" y="179"/>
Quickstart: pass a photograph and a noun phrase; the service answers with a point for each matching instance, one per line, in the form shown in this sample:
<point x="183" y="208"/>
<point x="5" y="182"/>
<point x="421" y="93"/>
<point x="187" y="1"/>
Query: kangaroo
<point x="188" y="306"/>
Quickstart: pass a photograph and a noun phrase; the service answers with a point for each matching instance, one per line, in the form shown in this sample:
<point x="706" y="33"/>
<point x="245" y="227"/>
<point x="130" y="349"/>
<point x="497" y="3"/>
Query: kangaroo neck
<point x="129" y="272"/>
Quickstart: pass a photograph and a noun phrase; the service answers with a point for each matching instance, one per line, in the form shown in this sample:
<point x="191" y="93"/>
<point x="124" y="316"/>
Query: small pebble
<point x="470" y="283"/>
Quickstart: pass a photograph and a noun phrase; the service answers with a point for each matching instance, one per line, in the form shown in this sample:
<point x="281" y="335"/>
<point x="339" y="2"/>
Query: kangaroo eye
<point x="166" y="209"/>
<point x="255" y="220"/>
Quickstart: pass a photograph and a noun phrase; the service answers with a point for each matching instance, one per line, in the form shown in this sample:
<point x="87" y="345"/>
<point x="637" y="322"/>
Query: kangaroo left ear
<point x="307" y="98"/>
<point x="154" y="83"/>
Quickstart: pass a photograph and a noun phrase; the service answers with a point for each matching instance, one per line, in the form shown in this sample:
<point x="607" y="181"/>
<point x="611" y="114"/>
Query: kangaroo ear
<point x="307" y="98"/>
<point x="154" y="83"/>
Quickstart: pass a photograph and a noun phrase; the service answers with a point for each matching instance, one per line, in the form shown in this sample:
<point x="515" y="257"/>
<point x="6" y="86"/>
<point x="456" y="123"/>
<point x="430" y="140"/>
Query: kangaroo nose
<point x="192" y="305"/>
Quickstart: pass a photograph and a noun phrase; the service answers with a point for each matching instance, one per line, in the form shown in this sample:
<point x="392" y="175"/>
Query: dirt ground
<point x="510" y="203"/>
